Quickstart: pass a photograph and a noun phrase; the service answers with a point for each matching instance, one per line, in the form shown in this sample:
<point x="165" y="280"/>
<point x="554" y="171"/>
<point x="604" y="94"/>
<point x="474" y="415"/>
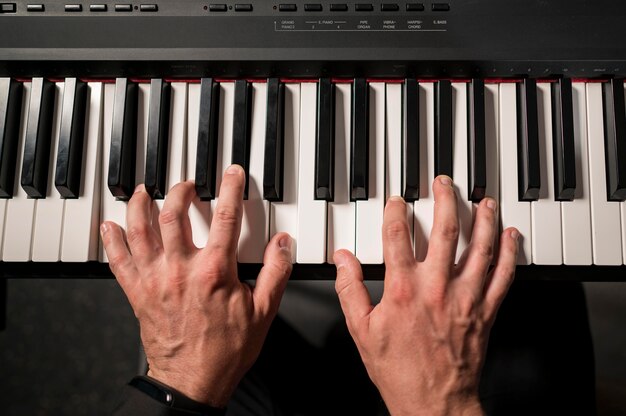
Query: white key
<point x="546" y="212"/>
<point x="492" y="130"/>
<point x="576" y="214"/>
<point x="225" y="136"/>
<point x="284" y="214"/>
<point x="311" y="213"/>
<point x="512" y="212"/>
<point x="341" y="212"/>
<point x="459" y="169"/>
<point x="605" y="215"/>
<point x="423" y="208"/>
<point x="369" y="214"/>
<point x="48" y="221"/>
<point x="82" y="215"/>
<point x="200" y="211"/>
<point x="394" y="161"/>
<point x="256" y="210"/>
<point x="20" y="210"/>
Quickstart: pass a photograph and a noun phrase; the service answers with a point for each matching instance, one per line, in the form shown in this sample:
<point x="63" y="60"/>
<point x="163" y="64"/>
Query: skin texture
<point x="424" y="344"/>
<point x="201" y="327"/>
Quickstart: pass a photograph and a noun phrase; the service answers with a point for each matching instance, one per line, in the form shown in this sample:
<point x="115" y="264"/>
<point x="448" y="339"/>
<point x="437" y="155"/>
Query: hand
<point x="424" y="344"/>
<point x="201" y="328"/>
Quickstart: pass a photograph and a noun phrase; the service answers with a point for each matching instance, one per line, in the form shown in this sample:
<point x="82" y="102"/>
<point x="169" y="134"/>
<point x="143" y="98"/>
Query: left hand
<point x="201" y="327"/>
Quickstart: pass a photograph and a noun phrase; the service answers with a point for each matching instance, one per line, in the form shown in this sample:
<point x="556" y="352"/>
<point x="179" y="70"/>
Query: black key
<point x="615" y="139"/>
<point x="273" y="164"/>
<point x="477" y="158"/>
<point x="208" y="130"/>
<point x="3" y="304"/>
<point x="563" y="140"/>
<point x="121" y="179"/>
<point x="528" y="166"/>
<point x="158" y="138"/>
<point x="325" y="141"/>
<point x="359" y="160"/>
<point x="443" y="128"/>
<point x="38" y="137"/>
<point x="10" y="113"/>
<point x="241" y="128"/>
<point x="411" y="141"/>
<point x="71" y="137"/>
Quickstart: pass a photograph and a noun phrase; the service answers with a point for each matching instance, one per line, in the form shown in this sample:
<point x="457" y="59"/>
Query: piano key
<point x="395" y="167"/>
<point x="411" y="145"/>
<point x="325" y="140"/>
<point x="70" y="152"/>
<point x="121" y="168"/>
<point x="82" y="215"/>
<point x="563" y="136"/>
<point x="460" y="164"/>
<point x="20" y="210"/>
<point x="477" y="174"/>
<point x="341" y="211"/>
<point x="443" y="128"/>
<point x="36" y="156"/>
<point x="207" y="133"/>
<point x="359" y="162"/>
<point x="141" y="144"/>
<point x="48" y="220"/>
<point x="158" y="138"/>
<point x="241" y="128"/>
<point x="311" y="211"/>
<point x="10" y="111"/>
<point x="545" y="212"/>
<point x="615" y="139"/>
<point x="492" y="130"/>
<point x="274" y="141"/>
<point x="605" y="215"/>
<point x="369" y="213"/>
<point x="255" y="225"/>
<point x="423" y="209"/>
<point x="284" y="214"/>
<point x="225" y="138"/>
<point x="200" y="209"/>
<point x="576" y="215"/>
<point x="529" y="174"/>
<point x="513" y="212"/>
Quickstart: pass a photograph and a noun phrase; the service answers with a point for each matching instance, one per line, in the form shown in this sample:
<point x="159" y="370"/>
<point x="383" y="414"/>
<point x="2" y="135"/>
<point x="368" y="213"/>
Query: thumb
<point x="353" y="295"/>
<point x="273" y="277"/>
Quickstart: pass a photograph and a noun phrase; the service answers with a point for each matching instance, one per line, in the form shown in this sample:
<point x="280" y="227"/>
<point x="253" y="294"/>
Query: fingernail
<point x="445" y="180"/>
<point x="139" y="188"/>
<point x="491" y="204"/>
<point x="285" y="242"/>
<point x="396" y="198"/>
<point x="104" y="228"/>
<point x="515" y="235"/>
<point x="234" y="170"/>
<point x="340" y="259"/>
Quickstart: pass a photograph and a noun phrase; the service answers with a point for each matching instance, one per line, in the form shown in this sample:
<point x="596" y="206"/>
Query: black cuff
<point x="172" y="398"/>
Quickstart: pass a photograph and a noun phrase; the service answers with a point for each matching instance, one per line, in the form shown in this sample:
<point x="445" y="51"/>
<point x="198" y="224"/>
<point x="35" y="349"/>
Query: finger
<point x="445" y="232"/>
<point x="120" y="260"/>
<point x="142" y="240"/>
<point x="397" y="247"/>
<point x="502" y="275"/>
<point x="273" y="277"/>
<point x="174" y="220"/>
<point x="226" y="224"/>
<point x="480" y="251"/>
<point x="353" y="295"/>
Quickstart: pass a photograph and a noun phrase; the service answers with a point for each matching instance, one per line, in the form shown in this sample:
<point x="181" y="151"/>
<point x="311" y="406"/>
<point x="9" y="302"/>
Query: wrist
<point x="198" y="389"/>
<point x="465" y="406"/>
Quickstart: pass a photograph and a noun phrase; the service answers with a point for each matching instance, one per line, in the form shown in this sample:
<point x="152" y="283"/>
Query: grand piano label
<point x="359" y="24"/>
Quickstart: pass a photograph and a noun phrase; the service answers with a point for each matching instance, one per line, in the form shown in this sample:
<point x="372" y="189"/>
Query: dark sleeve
<point x="136" y="403"/>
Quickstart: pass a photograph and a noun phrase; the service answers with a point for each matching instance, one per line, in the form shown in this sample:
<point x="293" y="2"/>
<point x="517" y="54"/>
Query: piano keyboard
<point x="321" y="159"/>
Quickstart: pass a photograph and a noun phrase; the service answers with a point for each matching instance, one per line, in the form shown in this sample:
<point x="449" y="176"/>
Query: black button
<point x="364" y="7"/>
<point x="73" y="8"/>
<point x="287" y="7"/>
<point x="414" y="7"/>
<point x="35" y="8"/>
<point x="243" y="7"/>
<point x="123" y="8"/>
<point x="338" y="7"/>
<point x="218" y="7"/>
<point x="389" y="7"/>
<point x="148" y="7"/>
<point x="312" y="7"/>
<point x="441" y="7"/>
<point x="98" y="8"/>
<point x="8" y="7"/>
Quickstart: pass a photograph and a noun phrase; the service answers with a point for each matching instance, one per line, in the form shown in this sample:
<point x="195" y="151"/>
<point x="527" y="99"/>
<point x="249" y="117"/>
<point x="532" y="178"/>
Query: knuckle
<point x="117" y="264"/>
<point x="228" y="216"/>
<point x="137" y="234"/>
<point x="169" y="216"/>
<point x="396" y="230"/>
<point x="449" y="230"/>
<point x="402" y="291"/>
<point x="483" y="249"/>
